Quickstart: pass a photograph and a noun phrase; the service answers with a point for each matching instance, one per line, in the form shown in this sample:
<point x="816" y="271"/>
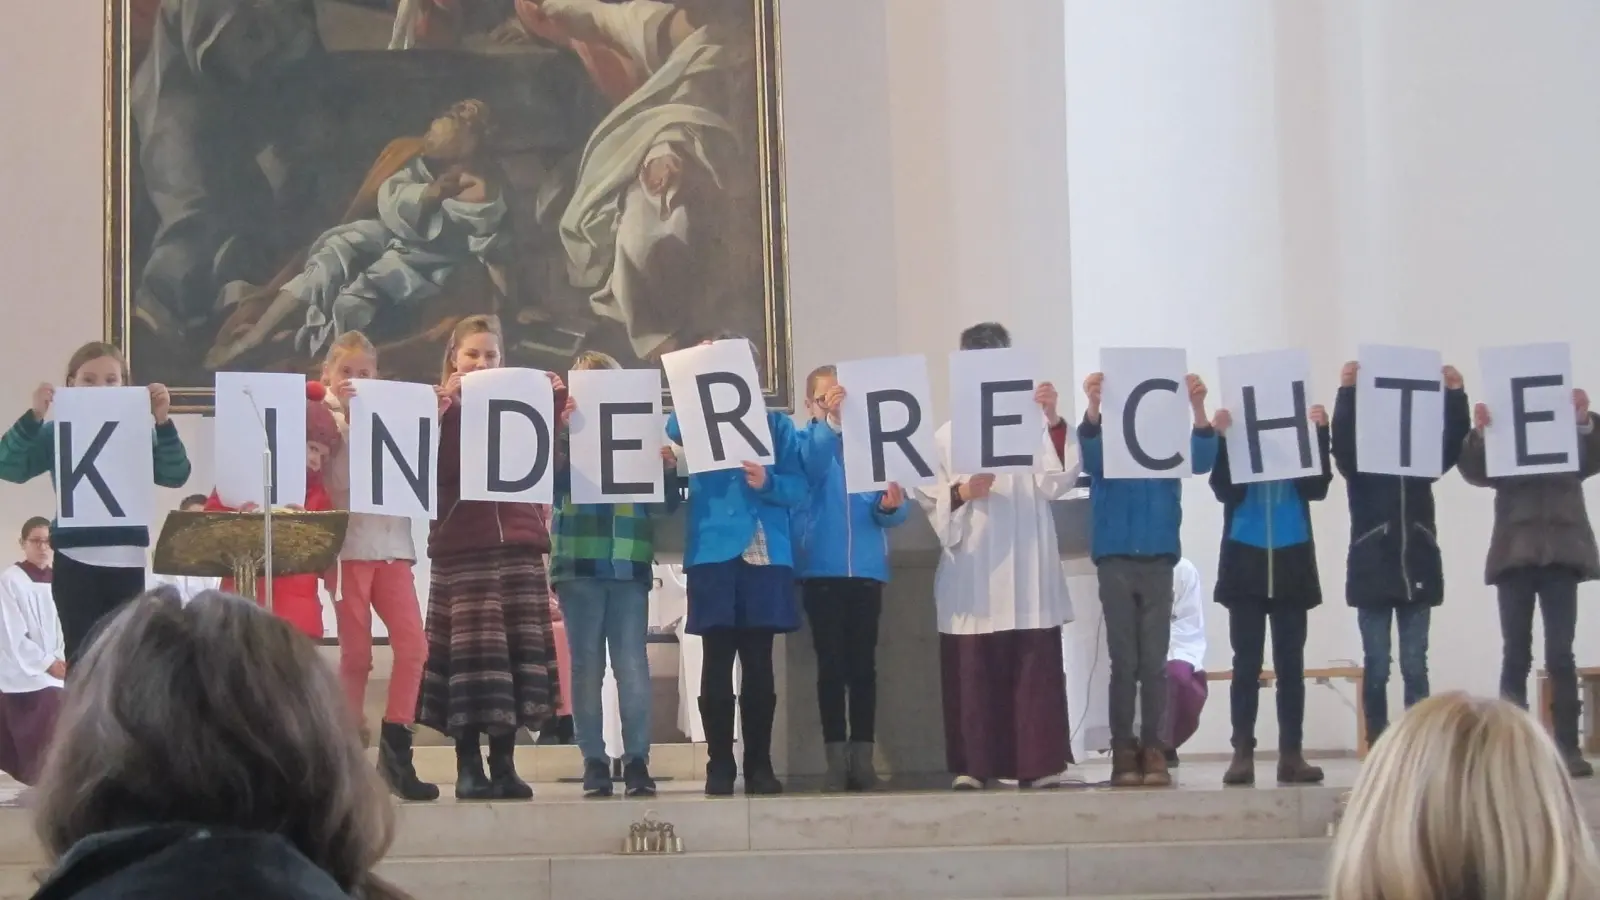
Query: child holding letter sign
<point x="1541" y="548"/>
<point x="601" y="556"/>
<point x="845" y="548"/>
<point x="491" y="665"/>
<point x="1136" y="546"/>
<point x="1394" y="573"/>
<point x="1267" y="570"/>
<point x="739" y="561"/>
<point x="374" y="574"/>
<point x="96" y="569"/>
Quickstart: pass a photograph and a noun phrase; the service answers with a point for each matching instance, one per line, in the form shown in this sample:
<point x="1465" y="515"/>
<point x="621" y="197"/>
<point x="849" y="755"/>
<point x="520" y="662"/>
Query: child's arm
<point x="171" y="459"/>
<point x="1471" y="463"/>
<point x="1221" y="474"/>
<point x="1589" y="446"/>
<point x="26" y="449"/>
<point x="1457" y="424"/>
<point x="1203" y="449"/>
<point x="1315" y="487"/>
<point x="786" y="479"/>
<point x="1089" y="448"/>
<point x="1344" y="431"/>
<point x="819" y="446"/>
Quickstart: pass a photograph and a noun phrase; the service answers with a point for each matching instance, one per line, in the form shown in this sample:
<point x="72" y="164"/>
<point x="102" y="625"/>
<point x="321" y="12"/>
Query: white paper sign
<point x="394" y="449"/>
<point x="995" y="426"/>
<point x="255" y="409"/>
<point x="507" y="436"/>
<point x="1528" y="391"/>
<point x="722" y="417"/>
<point x="105" y="459"/>
<point x="886" y="423"/>
<point x="1145" y="417"/>
<point x="1400" y="411"/>
<point x="1271" y="438"/>
<point x="616" y="436"/>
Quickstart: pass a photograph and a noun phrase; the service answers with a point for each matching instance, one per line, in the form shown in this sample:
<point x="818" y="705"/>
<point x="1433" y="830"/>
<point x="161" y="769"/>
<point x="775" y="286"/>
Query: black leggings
<point x="87" y="595"/>
<point x="752" y="647"/>
<point x="844" y="616"/>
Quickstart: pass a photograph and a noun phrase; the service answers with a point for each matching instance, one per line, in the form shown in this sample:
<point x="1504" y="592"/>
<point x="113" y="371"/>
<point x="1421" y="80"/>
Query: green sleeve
<point x="27" y="449"/>
<point x="171" y="459"/>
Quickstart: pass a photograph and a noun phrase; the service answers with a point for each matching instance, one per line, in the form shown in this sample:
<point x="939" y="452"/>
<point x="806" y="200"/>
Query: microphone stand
<point x="266" y="498"/>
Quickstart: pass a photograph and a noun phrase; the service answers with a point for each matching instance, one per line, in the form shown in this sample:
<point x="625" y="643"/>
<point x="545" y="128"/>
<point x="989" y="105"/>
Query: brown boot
<point x="1293" y="769"/>
<point x="1125" y="771"/>
<point x="1155" y="767"/>
<point x="1242" y="771"/>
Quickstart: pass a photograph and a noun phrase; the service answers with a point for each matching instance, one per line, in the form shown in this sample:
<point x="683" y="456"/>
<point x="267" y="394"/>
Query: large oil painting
<point x="601" y="174"/>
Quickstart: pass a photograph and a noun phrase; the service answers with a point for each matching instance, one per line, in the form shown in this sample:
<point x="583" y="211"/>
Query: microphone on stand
<point x="266" y="495"/>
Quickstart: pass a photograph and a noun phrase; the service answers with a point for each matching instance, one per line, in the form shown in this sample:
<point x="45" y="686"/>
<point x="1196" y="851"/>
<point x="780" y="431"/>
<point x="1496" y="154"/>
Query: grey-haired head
<point x="985" y="336"/>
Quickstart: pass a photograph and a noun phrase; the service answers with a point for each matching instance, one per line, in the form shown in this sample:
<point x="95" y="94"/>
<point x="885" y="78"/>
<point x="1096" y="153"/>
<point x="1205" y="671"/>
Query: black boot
<point x="471" y="782"/>
<point x="1242" y="770"/>
<point x="503" y="780"/>
<point x="756" y="714"/>
<point x="716" y="715"/>
<point x="1565" y="710"/>
<point x="394" y="762"/>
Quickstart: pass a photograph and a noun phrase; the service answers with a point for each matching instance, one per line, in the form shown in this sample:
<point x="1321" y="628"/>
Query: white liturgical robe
<point x="999" y="565"/>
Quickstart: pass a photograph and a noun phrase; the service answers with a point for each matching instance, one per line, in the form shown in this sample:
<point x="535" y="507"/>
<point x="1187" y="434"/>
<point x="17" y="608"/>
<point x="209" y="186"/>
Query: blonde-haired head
<point x="467" y="327"/>
<point x="350" y="341"/>
<point x="594" y="359"/>
<point x="1463" y="799"/>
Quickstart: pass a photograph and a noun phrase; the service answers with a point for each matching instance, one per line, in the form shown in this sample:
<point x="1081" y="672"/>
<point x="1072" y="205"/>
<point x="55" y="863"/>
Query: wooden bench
<point x="1353" y="674"/>
<point x="1589" y="690"/>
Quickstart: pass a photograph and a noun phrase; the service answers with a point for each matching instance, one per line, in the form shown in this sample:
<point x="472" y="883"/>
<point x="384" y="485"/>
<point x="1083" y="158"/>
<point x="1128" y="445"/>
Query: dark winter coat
<point x="189" y="862"/>
<point x="1276" y="574"/>
<point x="1394" y="547"/>
<point x="1539" y="520"/>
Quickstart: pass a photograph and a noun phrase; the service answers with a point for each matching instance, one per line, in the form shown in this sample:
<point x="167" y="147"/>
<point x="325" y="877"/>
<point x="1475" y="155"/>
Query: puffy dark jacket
<point x="189" y="862"/>
<point x="1283" y="574"/>
<point x="1394" y="549"/>
<point x="468" y="526"/>
<point x="1539" y="520"/>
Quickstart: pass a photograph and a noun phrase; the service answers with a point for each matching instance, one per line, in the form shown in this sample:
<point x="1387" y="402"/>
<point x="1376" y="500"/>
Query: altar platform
<point x="1197" y="839"/>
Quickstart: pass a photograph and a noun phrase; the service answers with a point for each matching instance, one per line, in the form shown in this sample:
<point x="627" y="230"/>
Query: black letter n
<point x="417" y="478"/>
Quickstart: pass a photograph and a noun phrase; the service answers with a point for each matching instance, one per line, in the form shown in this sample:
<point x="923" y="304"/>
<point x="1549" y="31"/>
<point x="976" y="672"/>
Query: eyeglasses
<point x="37" y="542"/>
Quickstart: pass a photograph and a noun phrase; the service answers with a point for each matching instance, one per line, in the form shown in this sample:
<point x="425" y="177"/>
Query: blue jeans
<point x="1411" y="620"/>
<point x="603" y="614"/>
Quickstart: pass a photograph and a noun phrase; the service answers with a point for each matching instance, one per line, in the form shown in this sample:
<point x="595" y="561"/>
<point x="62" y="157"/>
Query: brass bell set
<point x="651" y="835"/>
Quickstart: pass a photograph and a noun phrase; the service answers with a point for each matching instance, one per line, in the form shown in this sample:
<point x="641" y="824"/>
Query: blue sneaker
<point x="596" y="778"/>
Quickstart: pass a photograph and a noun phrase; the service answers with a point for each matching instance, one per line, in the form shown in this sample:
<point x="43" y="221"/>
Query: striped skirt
<point x="491" y="648"/>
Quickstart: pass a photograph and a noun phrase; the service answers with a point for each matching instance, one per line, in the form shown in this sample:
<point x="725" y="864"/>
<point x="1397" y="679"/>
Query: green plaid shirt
<point x="615" y="542"/>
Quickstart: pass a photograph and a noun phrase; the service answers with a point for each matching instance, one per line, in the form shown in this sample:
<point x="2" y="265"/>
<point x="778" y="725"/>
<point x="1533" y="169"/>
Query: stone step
<point x="1212" y="869"/>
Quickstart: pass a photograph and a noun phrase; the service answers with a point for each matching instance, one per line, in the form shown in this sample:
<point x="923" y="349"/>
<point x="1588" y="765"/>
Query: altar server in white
<point x="1186" y="661"/>
<point x="1002" y="598"/>
<point x="32" y="657"/>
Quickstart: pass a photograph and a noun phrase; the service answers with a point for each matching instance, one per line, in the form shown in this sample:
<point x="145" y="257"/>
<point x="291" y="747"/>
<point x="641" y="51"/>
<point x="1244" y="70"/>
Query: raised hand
<point x="1197" y="398"/>
<point x="1091" y="389"/>
<point x="1580" y="402"/>
<point x="1347" y="375"/>
<point x="1319" y="416"/>
<point x="1221" y="421"/>
<point x="977" y="487"/>
<point x="1452" y="378"/>
<point x="832" y="399"/>
<point x="160" y="403"/>
<point x="1049" y="400"/>
<point x="43" y="396"/>
<point x="1480" y="417"/>
<point x="893" y="497"/>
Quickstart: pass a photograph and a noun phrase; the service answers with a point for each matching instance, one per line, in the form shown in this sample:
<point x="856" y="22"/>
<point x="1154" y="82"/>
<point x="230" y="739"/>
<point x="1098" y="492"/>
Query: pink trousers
<point x="388" y="587"/>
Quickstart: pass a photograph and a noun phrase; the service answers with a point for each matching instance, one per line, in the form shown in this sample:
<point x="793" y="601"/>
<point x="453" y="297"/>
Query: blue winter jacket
<point x="724" y="510"/>
<point x="843" y="535"/>
<point x="1138" y="516"/>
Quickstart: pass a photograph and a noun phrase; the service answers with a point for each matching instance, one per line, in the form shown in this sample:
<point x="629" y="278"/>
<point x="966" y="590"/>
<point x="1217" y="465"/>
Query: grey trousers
<point x="1136" y="597"/>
